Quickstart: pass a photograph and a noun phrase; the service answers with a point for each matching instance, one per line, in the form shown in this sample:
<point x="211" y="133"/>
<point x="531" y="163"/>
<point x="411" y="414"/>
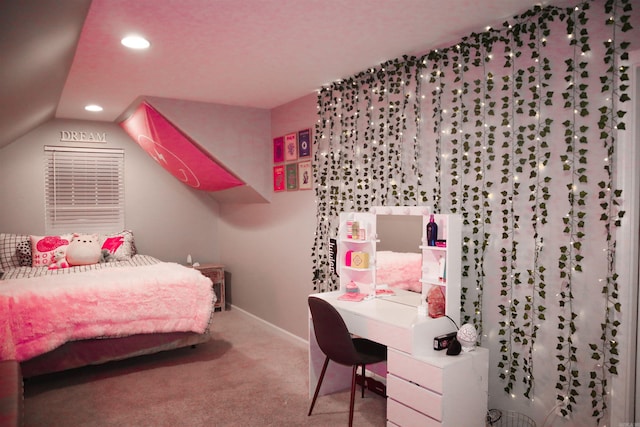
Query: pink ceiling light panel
<point x="175" y="152"/>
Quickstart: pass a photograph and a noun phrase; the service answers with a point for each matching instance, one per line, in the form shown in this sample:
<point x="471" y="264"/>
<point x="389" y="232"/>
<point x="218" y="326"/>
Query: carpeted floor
<point x="248" y="375"/>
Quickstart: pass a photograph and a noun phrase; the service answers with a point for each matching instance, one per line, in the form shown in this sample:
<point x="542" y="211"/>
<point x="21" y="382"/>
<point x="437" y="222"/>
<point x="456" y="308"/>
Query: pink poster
<point x="175" y="152"/>
<point x="278" y="178"/>
<point x="278" y="149"/>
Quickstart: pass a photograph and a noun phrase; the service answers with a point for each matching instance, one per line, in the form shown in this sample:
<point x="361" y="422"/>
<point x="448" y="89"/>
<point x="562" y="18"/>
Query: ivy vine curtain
<point x="514" y="129"/>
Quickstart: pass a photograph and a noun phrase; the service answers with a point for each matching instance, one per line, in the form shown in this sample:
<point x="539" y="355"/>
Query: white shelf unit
<point x="442" y="266"/>
<point x="363" y="277"/>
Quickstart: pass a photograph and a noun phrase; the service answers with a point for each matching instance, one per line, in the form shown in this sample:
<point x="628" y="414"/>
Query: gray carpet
<point x="248" y="375"/>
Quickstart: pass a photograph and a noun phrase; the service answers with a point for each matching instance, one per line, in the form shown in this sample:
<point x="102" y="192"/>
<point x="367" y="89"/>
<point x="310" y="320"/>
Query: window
<point x="84" y="190"/>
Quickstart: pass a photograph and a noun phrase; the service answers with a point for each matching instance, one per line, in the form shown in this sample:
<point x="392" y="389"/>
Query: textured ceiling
<point x="256" y="53"/>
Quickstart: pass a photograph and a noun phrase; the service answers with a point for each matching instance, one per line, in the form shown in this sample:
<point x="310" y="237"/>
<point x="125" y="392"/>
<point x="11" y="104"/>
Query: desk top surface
<point x="384" y="309"/>
<point x="395" y="325"/>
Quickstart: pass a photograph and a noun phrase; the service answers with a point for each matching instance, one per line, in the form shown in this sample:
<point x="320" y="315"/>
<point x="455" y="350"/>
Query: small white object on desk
<point x="467" y="337"/>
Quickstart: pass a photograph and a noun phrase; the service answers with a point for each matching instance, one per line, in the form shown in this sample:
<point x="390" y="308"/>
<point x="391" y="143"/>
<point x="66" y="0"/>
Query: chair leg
<point x="363" y="381"/>
<point x="353" y="393"/>
<point x="315" y="395"/>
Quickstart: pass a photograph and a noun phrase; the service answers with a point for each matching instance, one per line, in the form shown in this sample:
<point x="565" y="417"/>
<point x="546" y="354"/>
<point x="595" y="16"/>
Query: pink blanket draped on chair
<point x="39" y="314"/>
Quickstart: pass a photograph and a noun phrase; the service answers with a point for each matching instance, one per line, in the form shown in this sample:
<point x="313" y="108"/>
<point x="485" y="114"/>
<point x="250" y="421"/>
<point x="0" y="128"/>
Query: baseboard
<point x="296" y="339"/>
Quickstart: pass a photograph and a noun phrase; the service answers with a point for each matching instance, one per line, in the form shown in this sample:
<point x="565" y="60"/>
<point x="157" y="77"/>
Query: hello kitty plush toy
<point x="60" y="260"/>
<point x="84" y="249"/>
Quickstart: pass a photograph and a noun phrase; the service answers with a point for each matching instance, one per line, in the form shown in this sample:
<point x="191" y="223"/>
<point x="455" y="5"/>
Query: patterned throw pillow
<point x="43" y="248"/>
<point x="8" y="253"/>
<point x="23" y="250"/>
<point x="120" y="245"/>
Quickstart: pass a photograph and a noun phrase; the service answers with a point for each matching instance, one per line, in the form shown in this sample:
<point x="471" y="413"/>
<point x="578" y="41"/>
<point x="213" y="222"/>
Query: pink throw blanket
<point x="39" y="314"/>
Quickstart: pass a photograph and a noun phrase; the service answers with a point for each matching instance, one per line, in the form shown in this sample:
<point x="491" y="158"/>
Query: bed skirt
<point x="97" y="351"/>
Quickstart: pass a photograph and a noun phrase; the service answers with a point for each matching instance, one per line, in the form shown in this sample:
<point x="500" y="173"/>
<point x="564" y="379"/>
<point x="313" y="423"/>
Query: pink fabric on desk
<point x="175" y="152"/>
<point x="356" y="297"/>
<point x="40" y="314"/>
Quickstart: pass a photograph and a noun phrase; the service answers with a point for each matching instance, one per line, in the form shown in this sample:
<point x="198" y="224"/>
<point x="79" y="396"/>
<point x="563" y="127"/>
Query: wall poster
<point x="291" y="146"/>
<point x="304" y="143"/>
<point x="292" y="176"/>
<point x="278" y="178"/>
<point x="304" y="175"/>
<point x="278" y="149"/>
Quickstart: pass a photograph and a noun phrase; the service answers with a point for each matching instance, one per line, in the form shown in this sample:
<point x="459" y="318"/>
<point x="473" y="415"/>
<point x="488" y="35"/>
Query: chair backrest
<point x="331" y="332"/>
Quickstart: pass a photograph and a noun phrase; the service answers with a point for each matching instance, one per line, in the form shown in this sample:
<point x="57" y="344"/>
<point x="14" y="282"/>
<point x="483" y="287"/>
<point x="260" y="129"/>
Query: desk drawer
<point x="404" y="366"/>
<point x="381" y="332"/>
<point x="400" y="415"/>
<point x="414" y="396"/>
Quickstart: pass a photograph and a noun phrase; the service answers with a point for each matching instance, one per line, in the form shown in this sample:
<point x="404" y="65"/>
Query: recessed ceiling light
<point x="135" y="42"/>
<point x="93" y="108"/>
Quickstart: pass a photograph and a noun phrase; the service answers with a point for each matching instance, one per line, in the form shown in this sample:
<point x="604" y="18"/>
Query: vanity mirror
<point x="398" y="254"/>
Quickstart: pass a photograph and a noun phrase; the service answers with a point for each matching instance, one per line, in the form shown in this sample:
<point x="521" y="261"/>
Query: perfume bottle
<point x="432" y="231"/>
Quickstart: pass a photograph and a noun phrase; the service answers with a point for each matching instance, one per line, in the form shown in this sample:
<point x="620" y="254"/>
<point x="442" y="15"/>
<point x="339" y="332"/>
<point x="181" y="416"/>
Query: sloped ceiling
<point x="38" y="40"/>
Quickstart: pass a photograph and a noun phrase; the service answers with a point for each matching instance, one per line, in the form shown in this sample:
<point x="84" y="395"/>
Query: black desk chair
<point x="336" y="343"/>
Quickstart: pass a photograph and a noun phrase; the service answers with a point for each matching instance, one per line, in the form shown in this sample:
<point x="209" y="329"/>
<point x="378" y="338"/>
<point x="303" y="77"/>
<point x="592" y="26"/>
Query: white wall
<point x="267" y="247"/>
<point x="169" y="220"/>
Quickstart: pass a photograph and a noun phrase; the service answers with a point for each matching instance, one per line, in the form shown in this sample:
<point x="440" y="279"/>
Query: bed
<point x="54" y="318"/>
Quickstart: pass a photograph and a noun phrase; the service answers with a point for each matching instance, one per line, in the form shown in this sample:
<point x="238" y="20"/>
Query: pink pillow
<point x="43" y="248"/>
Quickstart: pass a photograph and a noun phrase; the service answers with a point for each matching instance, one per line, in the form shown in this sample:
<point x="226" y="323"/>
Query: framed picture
<point x="278" y="178"/>
<point x="304" y="175"/>
<point x="278" y="149"/>
<point x="291" y="146"/>
<point x="304" y="143"/>
<point x="292" y="176"/>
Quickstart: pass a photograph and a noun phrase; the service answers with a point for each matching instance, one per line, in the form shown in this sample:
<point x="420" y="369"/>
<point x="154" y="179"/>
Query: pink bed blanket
<point x="39" y="314"/>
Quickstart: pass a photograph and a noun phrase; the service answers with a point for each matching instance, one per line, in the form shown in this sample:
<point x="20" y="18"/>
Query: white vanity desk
<point x="424" y="387"/>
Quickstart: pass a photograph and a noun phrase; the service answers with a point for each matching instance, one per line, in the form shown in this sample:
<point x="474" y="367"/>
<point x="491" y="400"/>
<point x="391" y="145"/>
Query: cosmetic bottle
<point x="347" y="259"/>
<point x="432" y="231"/>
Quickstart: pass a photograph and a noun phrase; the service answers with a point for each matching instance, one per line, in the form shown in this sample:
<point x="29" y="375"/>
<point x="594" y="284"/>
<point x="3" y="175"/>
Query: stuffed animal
<point x="84" y="249"/>
<point x="106" y="256"/>
<point x="60" y="260"/>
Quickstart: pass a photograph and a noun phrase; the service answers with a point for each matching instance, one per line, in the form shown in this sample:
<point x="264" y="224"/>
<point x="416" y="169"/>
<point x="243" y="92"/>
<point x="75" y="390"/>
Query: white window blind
<point x="84" y="190"/>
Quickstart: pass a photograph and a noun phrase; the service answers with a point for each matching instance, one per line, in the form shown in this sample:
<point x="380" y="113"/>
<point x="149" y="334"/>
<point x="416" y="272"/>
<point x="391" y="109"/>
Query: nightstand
<point x="215" y="272"/>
